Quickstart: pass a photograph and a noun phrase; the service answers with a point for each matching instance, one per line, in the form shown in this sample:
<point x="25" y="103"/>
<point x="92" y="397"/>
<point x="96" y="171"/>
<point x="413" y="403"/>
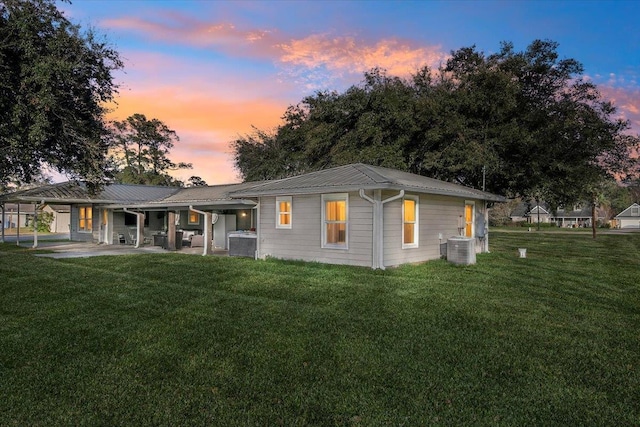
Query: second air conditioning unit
<point x="461" y="250"/>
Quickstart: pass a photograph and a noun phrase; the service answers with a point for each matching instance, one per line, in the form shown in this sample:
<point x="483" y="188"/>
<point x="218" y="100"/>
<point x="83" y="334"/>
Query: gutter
<point x="207" y="230"/>
<point x="378" y="224"/>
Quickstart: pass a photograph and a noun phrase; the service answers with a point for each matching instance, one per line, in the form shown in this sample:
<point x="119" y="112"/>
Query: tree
<point x="140" y="149"/>
<point x="196" y="181"/>
<point x="523" y="124"/>
<point x="55" y="81"/>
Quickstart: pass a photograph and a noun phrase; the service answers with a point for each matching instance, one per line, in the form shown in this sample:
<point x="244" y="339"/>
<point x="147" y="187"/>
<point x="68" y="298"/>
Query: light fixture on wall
<point x="243" y="214"/>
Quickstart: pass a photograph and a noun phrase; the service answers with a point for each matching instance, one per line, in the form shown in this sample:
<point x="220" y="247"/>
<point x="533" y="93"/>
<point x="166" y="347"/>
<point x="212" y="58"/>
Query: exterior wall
<point x="303" y="240"/>
<point x="61" y="220"/>
<point x="436" y="215"/>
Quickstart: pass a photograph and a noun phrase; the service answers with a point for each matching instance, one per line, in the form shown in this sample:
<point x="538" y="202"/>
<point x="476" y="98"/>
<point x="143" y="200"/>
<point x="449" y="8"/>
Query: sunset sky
<point x="211" y="70"/>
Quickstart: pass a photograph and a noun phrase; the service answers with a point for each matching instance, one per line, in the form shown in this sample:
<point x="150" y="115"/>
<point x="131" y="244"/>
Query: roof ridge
<point x="370" y="172"/>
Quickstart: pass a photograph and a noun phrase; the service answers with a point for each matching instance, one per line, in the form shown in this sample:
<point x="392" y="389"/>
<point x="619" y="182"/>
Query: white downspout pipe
<point x="378" y="224"/>
<point x="207" y="230"/>
<point x="257" y="209"/>
<point x="139" y="220"/>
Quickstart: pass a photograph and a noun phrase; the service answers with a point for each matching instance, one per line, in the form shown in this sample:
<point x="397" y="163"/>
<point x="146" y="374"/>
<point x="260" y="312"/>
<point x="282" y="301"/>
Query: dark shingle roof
<point x="360" y="176"/>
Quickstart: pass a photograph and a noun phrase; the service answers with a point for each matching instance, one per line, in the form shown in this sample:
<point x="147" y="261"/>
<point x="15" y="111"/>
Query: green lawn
<point x="553" y="339"/>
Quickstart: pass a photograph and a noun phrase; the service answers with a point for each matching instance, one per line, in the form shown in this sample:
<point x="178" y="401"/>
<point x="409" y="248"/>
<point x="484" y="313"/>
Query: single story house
<point x="577" y="216"/>
<point x="355" y="214"/>
<point x="17" y="215"/>
<point x="629" y="218"/>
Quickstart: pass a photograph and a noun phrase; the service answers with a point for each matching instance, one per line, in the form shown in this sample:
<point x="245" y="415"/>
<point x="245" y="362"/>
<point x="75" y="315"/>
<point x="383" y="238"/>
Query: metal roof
<point x="360" y="176"/>
<point x="74" y="192"/>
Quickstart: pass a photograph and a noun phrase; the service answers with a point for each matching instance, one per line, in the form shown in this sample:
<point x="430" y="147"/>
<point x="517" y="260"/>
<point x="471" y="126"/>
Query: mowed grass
<point x="553" y="339"/>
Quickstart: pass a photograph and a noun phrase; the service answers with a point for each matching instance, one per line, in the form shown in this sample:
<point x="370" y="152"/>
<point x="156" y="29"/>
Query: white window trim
<point x="416" y="228"/>
<point x="85" y="230"/>
<point x="323" y="225"/>
<point x="290" y="201"/>
<point x="473" y="218"/>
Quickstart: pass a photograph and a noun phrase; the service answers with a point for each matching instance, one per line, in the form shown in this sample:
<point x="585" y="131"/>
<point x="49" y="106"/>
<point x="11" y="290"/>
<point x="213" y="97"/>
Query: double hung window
<point x="335" y="214"/>
<point x="85" y="219"/>
<point x="283" y="212"/>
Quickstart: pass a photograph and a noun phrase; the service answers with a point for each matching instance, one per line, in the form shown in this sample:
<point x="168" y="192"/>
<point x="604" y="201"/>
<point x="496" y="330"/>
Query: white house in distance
<point x="354" y="214"/>
<point x="630" y="217"/>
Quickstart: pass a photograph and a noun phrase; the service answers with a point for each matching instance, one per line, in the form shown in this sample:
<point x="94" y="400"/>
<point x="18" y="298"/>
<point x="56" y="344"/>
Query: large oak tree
<point x="55" y="81"/>
<point x="515" y="123"/>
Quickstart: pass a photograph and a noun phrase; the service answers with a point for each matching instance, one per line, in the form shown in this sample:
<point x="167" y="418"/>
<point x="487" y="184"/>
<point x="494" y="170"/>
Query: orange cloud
<point x="336" y="54"/>
<point x="348" y="54"/>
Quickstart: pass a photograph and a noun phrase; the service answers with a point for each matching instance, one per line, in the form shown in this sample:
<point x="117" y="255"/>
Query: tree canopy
<point x="139" y="152"/>
<point x="514" y="123"/>
<point x="55" y="81"/>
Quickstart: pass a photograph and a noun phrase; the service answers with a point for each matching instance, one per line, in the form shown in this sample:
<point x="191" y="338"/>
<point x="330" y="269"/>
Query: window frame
<point x="82" y="217"/>
<point x="473" y="217"/>
<point x="416" y="222"/>
<point x="189" y="221"/>
<point x="332" y="198"/>
<point x="285" y="199"/>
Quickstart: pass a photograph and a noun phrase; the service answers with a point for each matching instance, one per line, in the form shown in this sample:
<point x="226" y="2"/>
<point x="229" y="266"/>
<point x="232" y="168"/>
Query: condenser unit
<point x="461" y="250"/>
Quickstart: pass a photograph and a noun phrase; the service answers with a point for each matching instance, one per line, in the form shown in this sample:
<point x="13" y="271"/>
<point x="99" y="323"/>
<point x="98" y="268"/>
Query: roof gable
<point x="632" y="211"/>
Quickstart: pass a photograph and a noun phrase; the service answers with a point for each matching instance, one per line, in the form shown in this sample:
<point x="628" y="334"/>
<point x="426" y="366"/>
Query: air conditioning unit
<point x="461" y="250"/>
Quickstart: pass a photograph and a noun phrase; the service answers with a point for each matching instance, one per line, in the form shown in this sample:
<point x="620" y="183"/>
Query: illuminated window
<point x="410" y="222"/>
<point x="469" y="208"/>
<point x="283" y="212"/>
<point x="335" y="221"/>
<point x="194" y="218"/>
<point x="85" y="219"/>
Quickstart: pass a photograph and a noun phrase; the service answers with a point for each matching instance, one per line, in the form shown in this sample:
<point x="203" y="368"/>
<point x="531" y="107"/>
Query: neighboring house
<point x="17" y="215"/>
<point x="61" y="218"/>
<point x="629" y="218"/>
<point x="578" y="216"/>
<point x="355" y="214"/>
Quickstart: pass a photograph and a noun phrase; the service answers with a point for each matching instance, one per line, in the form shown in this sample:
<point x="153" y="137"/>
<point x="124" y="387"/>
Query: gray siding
<point x="437" y="214"/>
<point x="303" y="240"/>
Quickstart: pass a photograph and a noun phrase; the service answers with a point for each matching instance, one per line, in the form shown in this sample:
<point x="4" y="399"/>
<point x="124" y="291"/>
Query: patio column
<point x="18" y="229"/>
<point x="171" y="231"/>
<point x="35" y="225"/>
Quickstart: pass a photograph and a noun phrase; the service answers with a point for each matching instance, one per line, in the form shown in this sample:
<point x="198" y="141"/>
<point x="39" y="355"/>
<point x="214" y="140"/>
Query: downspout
<point x="139" y="219"/>
<point x="257" y="209"/>
<point x="207" y="230"/>
<point x="378" y="224"/>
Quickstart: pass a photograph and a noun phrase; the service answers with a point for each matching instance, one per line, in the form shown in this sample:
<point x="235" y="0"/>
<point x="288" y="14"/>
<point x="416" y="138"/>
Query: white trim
<point x="328" y="198"/>
<point x="416" y="223"/>
<point x="286" y="199"/>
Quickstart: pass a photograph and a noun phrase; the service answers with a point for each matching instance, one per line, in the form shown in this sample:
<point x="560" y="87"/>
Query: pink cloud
<point x="347" y="54"/>
<point x="335" y="54"/>
<point x="627" y="101"/>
